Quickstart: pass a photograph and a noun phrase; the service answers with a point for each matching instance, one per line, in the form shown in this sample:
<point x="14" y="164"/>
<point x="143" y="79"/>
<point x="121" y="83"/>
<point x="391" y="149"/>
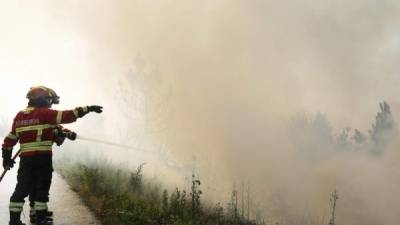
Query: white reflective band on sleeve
<point x="59" y="117"/>
<point x="75" y="113"/>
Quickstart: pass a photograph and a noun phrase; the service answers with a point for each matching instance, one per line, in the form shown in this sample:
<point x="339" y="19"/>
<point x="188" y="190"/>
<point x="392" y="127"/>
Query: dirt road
<point x="67" y="207"/>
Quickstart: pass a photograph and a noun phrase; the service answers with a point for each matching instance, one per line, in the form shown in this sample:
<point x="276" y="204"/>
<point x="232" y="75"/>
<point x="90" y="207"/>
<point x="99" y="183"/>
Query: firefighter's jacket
<point x="34" y="129"/>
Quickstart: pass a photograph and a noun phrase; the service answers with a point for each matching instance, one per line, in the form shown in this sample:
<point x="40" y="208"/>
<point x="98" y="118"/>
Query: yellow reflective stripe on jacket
<point x="12" y="136"/>
<point x="35" y="127"/>
<point x="39" y="135"/>
<point x="37" y="144"/>
<point x="59" y="117"/>
<point x="36" y="149"/>
<point x="85" y="109"/>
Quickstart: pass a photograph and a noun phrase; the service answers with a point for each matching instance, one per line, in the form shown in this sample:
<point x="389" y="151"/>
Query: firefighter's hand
<point x="71" y="136"/>
<point x="95" y="108"/>
<point x="59" y="141"/>
<point x="8" y="163"/>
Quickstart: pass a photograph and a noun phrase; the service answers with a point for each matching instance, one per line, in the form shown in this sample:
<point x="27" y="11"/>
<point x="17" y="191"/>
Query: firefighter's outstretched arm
<point x="70" y="116"/>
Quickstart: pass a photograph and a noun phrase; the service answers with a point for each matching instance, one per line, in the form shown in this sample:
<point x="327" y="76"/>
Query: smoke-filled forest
<point x="216" y="111"/>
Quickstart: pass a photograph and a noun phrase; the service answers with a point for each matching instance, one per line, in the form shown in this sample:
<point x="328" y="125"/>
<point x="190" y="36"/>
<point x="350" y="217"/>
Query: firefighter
<point x="33" y="128"/>
<point x="60" y="134"/>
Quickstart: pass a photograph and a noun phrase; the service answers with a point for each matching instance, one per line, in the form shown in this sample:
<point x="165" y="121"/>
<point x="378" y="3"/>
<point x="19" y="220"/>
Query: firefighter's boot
<point x="32" y="215"/>
<point x="15" y="218"/>
<point x="42" y="219"/>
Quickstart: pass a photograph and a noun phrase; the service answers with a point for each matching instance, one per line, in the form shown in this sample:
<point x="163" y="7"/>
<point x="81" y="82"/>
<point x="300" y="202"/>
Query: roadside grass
<point x="123" y="197"/>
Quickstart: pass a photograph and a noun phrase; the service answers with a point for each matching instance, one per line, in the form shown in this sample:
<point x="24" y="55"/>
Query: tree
<point x="382" y="130"/>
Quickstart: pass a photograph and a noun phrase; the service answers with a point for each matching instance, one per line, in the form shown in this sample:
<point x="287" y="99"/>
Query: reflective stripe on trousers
<point x="16" y="206"/>
<point x="39" y="206"/>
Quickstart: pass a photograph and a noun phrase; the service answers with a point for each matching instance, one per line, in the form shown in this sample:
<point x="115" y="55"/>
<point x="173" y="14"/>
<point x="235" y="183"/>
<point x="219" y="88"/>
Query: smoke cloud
<point x="254" y="92"/>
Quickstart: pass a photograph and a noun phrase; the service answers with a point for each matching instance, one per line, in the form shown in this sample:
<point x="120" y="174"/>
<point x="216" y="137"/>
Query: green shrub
<point x="122" y="197"/>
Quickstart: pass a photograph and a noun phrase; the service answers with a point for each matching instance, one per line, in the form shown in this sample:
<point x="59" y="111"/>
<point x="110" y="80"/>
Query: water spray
<point x="118" y="145"/>
<point x="165" y="160"/>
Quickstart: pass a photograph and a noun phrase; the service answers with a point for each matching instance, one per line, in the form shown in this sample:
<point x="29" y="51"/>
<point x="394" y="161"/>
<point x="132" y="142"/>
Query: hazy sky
<point x="320" y="55"/>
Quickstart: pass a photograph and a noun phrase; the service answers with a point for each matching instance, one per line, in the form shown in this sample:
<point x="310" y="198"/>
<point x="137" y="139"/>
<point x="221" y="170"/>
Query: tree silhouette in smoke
<point x="382" y="130"/>
<point x="313" y="135"/>
<point x="380" y="134"/>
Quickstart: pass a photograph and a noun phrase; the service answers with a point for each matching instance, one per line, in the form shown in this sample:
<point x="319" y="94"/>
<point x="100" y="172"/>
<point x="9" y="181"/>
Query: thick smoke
<point x="231" y="87"/>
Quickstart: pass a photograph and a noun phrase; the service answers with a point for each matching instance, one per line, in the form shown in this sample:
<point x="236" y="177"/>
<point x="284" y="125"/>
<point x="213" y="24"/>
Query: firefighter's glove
<point x="8" y="163"/>
<point x="59" y="140"/>
<point x="95" y="108"/>
<point x="71" y="136"/>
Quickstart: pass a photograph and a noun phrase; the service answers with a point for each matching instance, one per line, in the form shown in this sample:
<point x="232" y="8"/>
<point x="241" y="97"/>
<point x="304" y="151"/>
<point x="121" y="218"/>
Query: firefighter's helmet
<point x="55" y="97"/>
<point x="43" y="93"/>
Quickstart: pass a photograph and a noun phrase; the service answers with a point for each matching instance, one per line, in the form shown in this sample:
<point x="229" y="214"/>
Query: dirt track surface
<point x="68" y="208"/>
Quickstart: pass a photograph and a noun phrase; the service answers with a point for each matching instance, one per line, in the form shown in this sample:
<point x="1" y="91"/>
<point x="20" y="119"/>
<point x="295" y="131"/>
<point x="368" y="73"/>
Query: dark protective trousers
<point x="34" y="175"/>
